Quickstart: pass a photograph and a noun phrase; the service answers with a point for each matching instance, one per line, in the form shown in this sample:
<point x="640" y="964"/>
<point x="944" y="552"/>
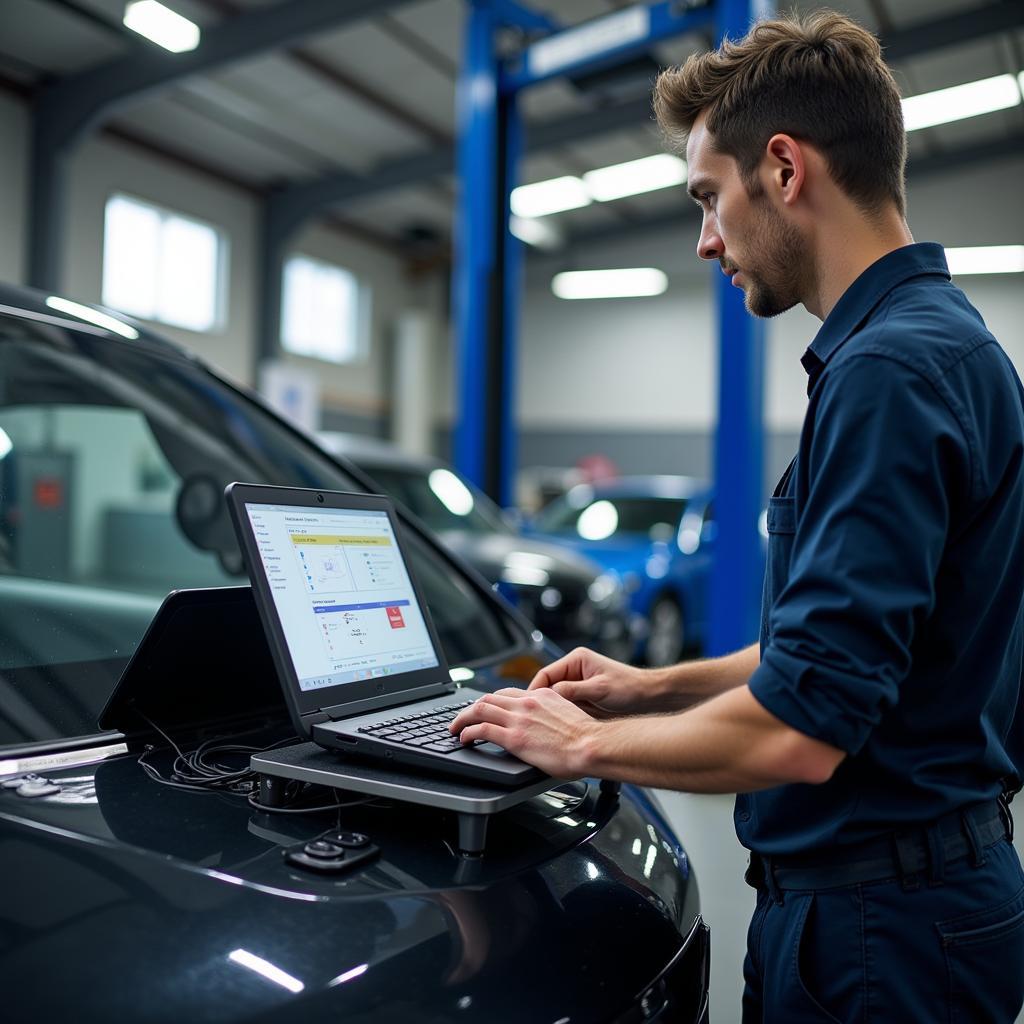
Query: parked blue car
<point x="657" y="534"/>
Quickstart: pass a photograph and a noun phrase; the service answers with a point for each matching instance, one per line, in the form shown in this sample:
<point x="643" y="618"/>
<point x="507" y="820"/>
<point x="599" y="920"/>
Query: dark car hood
<point x="491" y="553"/>
<point x="128" y="905"/>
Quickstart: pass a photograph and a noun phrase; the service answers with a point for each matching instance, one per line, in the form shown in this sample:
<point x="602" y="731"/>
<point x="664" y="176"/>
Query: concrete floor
<point x="704" y="825"/>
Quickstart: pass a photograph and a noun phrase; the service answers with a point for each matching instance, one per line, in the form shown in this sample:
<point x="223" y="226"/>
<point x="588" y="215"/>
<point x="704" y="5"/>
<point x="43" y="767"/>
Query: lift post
<point x="487" y="269"/>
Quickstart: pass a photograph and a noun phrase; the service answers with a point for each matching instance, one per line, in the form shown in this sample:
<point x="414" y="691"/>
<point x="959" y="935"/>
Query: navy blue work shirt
<point x="893" y="622"/>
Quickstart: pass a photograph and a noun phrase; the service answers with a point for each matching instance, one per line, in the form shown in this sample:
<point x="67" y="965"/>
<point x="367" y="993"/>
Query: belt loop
<point x="973" y="839"/>
<point x="1005" y="813"/>
<point x="936" y="856"/>
<point x="770" y="882"/>
<point x="903" y="850"/>
<point x="754" y="876"/>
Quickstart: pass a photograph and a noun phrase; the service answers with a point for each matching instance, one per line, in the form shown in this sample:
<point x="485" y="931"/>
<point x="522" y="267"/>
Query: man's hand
<point x="600" y="685"/>
<point x="539" y="726"/>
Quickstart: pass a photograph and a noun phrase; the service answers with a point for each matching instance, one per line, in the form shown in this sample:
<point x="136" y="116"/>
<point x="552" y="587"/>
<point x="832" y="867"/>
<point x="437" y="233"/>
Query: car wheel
<point x="666" y="639"/>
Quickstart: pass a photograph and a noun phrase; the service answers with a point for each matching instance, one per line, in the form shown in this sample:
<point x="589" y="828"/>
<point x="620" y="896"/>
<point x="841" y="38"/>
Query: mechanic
<point x="876" y="733"/>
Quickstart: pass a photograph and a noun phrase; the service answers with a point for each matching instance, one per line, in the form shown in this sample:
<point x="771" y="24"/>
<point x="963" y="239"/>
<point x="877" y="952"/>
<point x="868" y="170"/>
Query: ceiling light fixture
<point x="539" y="233"/>
<point x="961" y="101"/>
<point x="629" y="283"/>
<point x="551" y="196"/>
<point x="986" y="259"/>
<point x="161" y="25"/>
<point x="635" y="177"/>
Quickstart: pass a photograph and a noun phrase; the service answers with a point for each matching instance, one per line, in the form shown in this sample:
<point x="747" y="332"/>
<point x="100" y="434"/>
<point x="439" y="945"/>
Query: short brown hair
<point x="819" y="78"/>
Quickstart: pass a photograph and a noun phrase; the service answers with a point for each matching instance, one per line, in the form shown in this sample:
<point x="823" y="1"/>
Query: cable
<point x="193" y="772"/>
<point x="253" y="802"/>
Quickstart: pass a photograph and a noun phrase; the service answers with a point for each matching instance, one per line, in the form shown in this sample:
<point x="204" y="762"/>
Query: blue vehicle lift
<point x="488" y="267"/>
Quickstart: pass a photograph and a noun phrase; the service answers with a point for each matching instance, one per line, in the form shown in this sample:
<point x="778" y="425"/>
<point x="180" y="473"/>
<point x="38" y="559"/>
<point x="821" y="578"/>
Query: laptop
<point x="356" y="652"/>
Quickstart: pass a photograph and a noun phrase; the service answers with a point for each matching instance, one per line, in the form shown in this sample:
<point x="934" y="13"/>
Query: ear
<point x="786" y="167"/>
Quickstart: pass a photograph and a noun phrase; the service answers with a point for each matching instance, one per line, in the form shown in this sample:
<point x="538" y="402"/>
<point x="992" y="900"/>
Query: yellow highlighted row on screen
<point x="335" y="538"/>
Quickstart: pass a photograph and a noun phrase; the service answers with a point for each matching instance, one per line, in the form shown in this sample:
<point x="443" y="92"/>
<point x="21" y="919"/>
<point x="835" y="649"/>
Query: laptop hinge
<point x="392" y="700"/>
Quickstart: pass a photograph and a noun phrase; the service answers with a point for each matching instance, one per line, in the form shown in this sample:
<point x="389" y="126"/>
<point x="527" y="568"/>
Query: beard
<point x="776" y="274"/>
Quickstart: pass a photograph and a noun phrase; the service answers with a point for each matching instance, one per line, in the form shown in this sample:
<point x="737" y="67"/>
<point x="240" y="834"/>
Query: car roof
<point x="373" y="451"/>
<point x="653" y="485"/>
<point x="38" y="306"/>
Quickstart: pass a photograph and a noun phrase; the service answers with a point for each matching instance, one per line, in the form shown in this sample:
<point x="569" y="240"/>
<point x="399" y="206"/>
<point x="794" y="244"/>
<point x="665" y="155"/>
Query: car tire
<point x="666" y="639"/>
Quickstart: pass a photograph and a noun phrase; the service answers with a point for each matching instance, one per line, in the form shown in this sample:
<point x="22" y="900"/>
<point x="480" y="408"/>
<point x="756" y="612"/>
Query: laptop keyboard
<point x="427" y="730"/>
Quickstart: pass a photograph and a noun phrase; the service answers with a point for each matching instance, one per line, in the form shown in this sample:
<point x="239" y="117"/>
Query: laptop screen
<point x="342" y="592"/>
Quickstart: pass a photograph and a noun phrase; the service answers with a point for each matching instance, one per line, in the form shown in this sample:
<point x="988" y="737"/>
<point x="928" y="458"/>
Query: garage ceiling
<point x="380" y="90"/>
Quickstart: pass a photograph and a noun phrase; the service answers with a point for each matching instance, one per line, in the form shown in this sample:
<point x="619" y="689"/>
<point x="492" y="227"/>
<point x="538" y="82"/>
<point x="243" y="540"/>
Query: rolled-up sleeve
<point x="887" y="460"/>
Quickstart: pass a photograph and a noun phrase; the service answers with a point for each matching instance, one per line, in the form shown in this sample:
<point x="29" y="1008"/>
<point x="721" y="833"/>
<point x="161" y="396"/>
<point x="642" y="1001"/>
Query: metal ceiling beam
<point x="306" y="199"/>
<point x="296" y="203"/>
<point x="70" y="107"/>
<point x="953" y="29"/>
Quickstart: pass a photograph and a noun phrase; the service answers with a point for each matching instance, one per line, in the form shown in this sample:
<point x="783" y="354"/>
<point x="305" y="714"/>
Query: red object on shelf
<point x="48" y="492"/>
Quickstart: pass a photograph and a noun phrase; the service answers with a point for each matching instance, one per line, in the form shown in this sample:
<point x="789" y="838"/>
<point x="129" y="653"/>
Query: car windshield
<point x="599" y="517"/>
<point x="113" y="460"/>
<point x="441" y="499"/>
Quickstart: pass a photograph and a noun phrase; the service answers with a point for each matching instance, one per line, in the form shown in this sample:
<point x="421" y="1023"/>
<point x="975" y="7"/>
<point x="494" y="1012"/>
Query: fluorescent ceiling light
<point x="986" y="259"/>
<point x="93" y="316"/>
<point x="960" y="101"/>
<point x="634" y="282"/>
<point x="163" y="26"/>
<point x="552" y="196"/>
<point x="635" y="176"/>
<point x="265" y="968"/>
<point x="538" y="233"/>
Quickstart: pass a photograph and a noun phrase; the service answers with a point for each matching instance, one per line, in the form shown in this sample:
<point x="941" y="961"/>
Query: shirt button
<point x="743" y="816"/>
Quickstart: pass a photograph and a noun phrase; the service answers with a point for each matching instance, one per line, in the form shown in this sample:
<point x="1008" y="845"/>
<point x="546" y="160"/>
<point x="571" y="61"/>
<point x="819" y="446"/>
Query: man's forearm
<point x="691" y="682"/>
<point x="730" y="744"/>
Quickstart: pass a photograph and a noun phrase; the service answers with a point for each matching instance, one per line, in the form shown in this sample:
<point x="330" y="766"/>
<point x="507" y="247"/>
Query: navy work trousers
<point x="937" y="951"/>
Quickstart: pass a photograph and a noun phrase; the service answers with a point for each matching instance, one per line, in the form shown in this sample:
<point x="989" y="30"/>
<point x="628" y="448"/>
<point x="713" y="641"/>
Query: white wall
<point x="14" y="126"/>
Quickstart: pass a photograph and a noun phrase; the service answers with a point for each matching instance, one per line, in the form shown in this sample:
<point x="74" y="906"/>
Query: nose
<point x="709" y="245"/>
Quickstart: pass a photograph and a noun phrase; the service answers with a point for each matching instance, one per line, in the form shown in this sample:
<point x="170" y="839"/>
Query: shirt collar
<point x="857" y="302"/>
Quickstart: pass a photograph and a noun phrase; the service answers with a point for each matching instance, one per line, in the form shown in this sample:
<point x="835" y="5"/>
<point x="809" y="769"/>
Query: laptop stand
<point x="474" y="802"/>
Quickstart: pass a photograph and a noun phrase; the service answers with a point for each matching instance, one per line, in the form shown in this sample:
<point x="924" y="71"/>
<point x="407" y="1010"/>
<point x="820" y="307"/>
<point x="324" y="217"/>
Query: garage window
<point x="322" y="311"/>
<point x="162" y="266"/>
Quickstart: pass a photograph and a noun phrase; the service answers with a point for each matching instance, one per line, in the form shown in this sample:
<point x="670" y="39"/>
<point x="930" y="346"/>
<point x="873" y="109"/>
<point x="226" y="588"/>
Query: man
<point x="875" y="732"/>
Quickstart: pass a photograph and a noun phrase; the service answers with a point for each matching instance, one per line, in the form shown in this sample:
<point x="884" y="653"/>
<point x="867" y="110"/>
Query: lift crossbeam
<point x="603" y="42"/>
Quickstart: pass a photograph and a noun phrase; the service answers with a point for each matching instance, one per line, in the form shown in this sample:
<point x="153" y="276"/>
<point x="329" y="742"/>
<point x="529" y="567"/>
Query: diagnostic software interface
<point x="342" y="593"/>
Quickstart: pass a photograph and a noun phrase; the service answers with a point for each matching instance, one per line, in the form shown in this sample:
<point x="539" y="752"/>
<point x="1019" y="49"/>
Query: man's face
<point x="757" y="247"/>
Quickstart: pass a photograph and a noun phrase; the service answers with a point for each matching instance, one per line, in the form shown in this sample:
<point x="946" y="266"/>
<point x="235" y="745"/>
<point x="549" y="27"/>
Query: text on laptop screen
<point x="342" y="592"/>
